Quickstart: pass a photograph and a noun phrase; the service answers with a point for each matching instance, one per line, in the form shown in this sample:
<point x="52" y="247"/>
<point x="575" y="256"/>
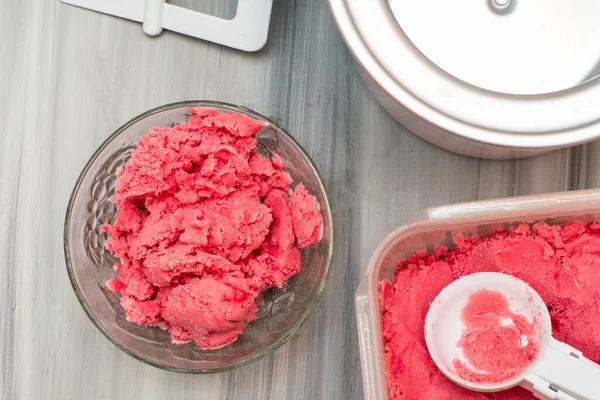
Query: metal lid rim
<point x="369" y="63"/>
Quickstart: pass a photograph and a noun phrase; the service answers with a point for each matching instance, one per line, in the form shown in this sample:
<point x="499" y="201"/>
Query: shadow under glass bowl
<point x="90" y="265"/>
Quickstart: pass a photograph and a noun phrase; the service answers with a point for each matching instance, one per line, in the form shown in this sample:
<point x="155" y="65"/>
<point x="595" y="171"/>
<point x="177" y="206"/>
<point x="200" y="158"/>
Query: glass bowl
<point x="90" y="265"/>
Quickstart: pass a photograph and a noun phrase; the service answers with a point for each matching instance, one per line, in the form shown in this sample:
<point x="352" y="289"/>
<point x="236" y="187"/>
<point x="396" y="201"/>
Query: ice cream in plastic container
<point x="437" y="226"/>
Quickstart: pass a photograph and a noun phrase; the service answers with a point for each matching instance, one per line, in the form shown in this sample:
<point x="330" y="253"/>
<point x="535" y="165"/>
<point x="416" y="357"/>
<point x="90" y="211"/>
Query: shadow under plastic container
<point x="437" y="226"/>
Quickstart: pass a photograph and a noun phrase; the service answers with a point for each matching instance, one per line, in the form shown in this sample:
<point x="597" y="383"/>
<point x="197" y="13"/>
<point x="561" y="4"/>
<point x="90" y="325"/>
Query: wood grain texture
<point x="69" y="77"/>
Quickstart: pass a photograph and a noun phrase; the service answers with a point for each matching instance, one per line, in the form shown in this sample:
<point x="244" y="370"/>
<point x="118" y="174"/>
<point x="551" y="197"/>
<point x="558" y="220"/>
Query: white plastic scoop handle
<point x="560" y="372"/>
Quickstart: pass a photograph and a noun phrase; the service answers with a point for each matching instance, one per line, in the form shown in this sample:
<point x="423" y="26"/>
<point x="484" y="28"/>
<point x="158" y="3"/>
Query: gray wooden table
<point x="69" y="77"/>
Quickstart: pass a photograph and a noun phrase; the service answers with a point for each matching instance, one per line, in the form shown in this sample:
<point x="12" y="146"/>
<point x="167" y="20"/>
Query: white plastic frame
<point x="247" y="31"/>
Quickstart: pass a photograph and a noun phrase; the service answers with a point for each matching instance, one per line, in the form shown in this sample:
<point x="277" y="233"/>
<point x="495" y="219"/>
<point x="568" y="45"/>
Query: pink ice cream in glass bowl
<point x="199" y="237"/>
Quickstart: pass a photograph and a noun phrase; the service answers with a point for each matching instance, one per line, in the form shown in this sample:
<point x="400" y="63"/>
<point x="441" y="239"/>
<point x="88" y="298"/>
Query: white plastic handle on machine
<point x="247" y="31"/>
<point x="560" y="372"/>
<point x="153" y="12"/>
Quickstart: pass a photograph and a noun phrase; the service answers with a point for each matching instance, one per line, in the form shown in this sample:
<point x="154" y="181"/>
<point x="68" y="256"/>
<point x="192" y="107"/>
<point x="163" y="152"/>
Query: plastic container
<point x="437" y="226"/>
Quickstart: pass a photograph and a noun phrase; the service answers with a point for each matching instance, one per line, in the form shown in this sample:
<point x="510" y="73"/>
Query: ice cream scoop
<point x="469" y="333"/>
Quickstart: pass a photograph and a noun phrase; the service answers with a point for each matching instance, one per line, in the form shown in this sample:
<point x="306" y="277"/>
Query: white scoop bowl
<point x="560" y="372"/>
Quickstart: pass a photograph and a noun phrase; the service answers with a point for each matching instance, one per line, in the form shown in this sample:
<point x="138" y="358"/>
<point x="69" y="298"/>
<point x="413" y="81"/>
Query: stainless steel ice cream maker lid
<point x="508" y="46"/>
<point x="511" y="69"/>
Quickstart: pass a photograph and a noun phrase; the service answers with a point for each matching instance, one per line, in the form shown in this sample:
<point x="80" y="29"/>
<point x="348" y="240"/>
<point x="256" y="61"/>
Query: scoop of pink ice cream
<point x="306" y="217"/>
<point x="493" y="351"/>
<point x="279" y="257"/>
<point x="164" y="265"/>
<point x="141" y="312"/>
<point x="208" y="155"/>
<point x="214" y="311"/>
